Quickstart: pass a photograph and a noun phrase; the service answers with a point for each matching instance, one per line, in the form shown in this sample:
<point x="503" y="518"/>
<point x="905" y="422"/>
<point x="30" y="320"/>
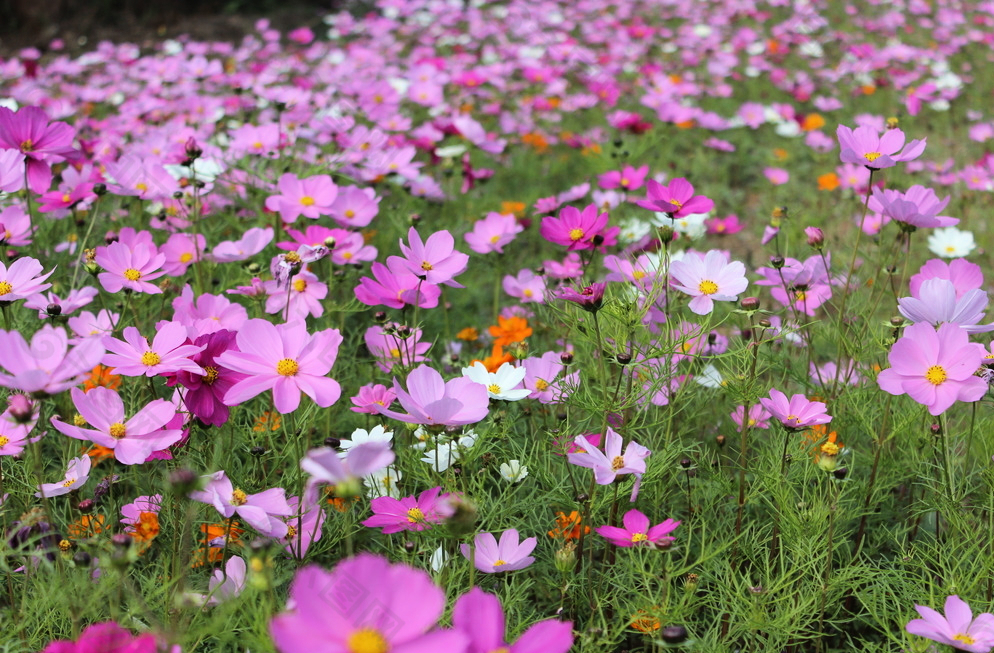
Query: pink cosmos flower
<point x="132" y="511"/>
<point x="77" y="473"/>
<point x="480" y="617"/>
<point x="725" y="226"/>
<point x="75" y="300"/>
<point x="797" y="413"/>
<point x="430" y="400"/>
<point x="132" y="267"/>
<point x="935" y="367"/>
<point x="168" y="352"/>
<point x="206" y="313"/>
<point x="776" y="176"/>
<point x="47" y="366"/>
<point x="589" y="298"/>
<point x="758" y="416"/>
<point x="311" y="197"/>
<point x="527" y="287"/>
<point x="395" y="287"/>
<point x="22" y="279"/>
<point x="610" y="463"/>
<point x="708" y="279"/>
<point x="372" y="398"/>
<point x="364" y="604"/>
<point x="676" y="199"/>
<point x="325" y="465"/>
<point x="133" y="440"/>
<point x="917" y="207"/>
<point x="355" y="207"/>
<point x="493" y="557"/>
<point x="145" y="178"/>
<point x="285" y="359"/>
<point x="261" y="511"/>
<point x="181" y="253"/>
<point x="577" y="229"/>
<point x="389" y="347"/>
<point x="434" y="260"/>
<point x="251" y="243"/>
<point x="304" y="525"/>
<point x="638" y="532"/>
<point x="205" y="390"/>
<point x="865" y="146"/>
<point x="957" y="628"/>
<point x="14" y="432"/>
<point x="964" y="275"/>
<point x="628" y="178"/>
<point x="227" y="583"/>
<point x="542" y="378"/>
<point x="106" y="637"/>
<point x="15" y="226"/>
<point x="41" y="142"/>
<point x="300" y="300"/>
<point x="936" y="303"/>
<point x="12" y="171"/>
<point x="410" y="513"/>
<point x="492" y="233"/>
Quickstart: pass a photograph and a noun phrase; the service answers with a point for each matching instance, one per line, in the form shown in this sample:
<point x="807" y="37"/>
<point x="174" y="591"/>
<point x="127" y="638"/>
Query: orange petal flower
<point x="510" y="330"/>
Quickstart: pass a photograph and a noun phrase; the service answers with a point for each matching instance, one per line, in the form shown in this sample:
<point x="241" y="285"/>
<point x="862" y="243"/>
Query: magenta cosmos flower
<point x="41" y="142"/>
<point x="935" y="367"/>
<point x="610" y="463"/>
<point x="103" y="421"/>
<point x="638" y="531"/>
<point x="957" y="628"/>
<point x="285" y="359"/>
<point x="493" y="557"/>
<point x="409" y="513"/>
<point x="430" y="400"/>
<point x="708" y="279"/>
<point x="676" y="199"/>
<point x="106" y="637"/>
<point x="205" y="390"/>
<point x="797" y="413"/>
<point x="22" y="279"/>
<point x="47" y="366"/>
<point x="864" y="146"/>
<point x="169" y="352"/>
<point x="130" y="266"/>
<point x="364" y="605"/>
<point x="575" y="229"/>
<point x="262" y="511"/>
<point x="481" y="618"/>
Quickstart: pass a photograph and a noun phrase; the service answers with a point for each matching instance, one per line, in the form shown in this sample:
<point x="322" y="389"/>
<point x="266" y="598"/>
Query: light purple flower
<point x="494" y="557"/>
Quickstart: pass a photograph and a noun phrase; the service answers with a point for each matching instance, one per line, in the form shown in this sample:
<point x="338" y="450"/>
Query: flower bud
<point x="816" y="237"/>
<point x="674" y="634"/>
<point x="777" y="262"/>
<point x="750" y="303"/>
<point x="565" y="558"/>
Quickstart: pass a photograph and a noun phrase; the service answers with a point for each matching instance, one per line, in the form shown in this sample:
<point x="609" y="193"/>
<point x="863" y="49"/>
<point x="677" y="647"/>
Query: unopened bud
<point x="674" y="634"/>
<point x="565" y="558"/>
<point x="777" y="262"/>
<point x="816" y="237"/>
<point x="720" y="440"/>
<point x="53" y="310"/>
<point x="566" y="357"/>
<point x="750" y="303"/>
<point x="666" y="234"/>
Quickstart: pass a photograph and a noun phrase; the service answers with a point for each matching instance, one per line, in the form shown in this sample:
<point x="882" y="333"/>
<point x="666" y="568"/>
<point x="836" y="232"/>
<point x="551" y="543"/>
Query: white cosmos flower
<point x="513" y="471"/>
<point x="359" y="436"/>
<point x="500" y="384"/>
<point x="439" y="559"/>
<point x="950" y="242"/>
<point x="384" y="483"/>
<point x="710" y="377"/>
<point x="446" y="453"/>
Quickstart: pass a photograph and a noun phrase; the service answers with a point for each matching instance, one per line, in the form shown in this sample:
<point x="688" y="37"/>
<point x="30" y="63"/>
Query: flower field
<point x="503" y="327"/>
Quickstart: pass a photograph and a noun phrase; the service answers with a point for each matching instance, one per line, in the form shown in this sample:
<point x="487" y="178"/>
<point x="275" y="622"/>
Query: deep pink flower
<point x="638" y="532"/>
<point x="628" y="178"/>
<point x="577" y="229"/>
<point x="204" y="396"/>
<point x="726" y="226"/>
<point x="106" y="637"/>
<point x="957" y="628"/>
<point x="865" y="146"/>
<point x="42" y="143"/>
<point x="589" y="298"/>
<point x="262" y="511"/>
<point x="410" y="513"/>
<point x="434" y="260"/>
<point x="373" y="398"/>
<point x="798" y="412"/>
<point x="365" y="604"/>
<point x="493" y="557"/>
<point x="676" y="199"/>
<point x="936" y="368"/>
<point x="285" y="359"/>
<point x="480" y="617"/>
<point x="430" y="400"/>
<point x="395" y="287"/>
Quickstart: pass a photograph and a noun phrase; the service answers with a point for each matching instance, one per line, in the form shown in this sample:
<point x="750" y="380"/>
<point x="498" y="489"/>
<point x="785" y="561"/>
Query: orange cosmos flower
<point x="510" y="330"/>
<point x="210" y="554"/>
<point x="536" y="141"/>
<point x="86" y="526"/>
<point x="568" y="526"/>
<point x="496" y="358"/>
<point x="812" y="121"/>
<point x="515" y="208"/>
<point x="828" y="181"/>
<point x="99" y="454"/>
<point x="469" y="334"/>
<point x="267" y="421"/>
<point x="644" y="621"/>
<point x="102" y="376"/>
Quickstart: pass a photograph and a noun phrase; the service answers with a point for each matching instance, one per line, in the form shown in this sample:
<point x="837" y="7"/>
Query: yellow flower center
<point x="3" y="441"/>
<point x="950" y="249"/>
<point x="142" y="186"/>
<point x="211" y="374"/>
<point x="935" y="375"/>
<point x="307" y="200"/>
<point x="500" y="563"/>
<point x="830" y="449"/>
<point x="677" y="203"/>
<point x="800" y="295"/>
<point x="185" y="257"/>
<point x="5" y="288"/>
<point x="27" y="145"/>
<point x="238" y="497"/>
<point x="117" y="430"/>
<point x="349" y="213"/>
<point x="625" y="181"/>
<point x="291" y="531"/>
<point x="291" y="257"/>
<point x="707" y="287"/>
<point x="617" y="463"/>
<point x="367" y="640"/>
<point x="494" y="239"/>
<point x="66" y="198"/>
<point x="395" y="353"/>
<point x="575" y="234"/>
<point x="871" y="156"/>
<point x="528" y="292"/>
<point x="414" y="515"/>
<point x="965" y="639"/>
<point x="151" y="358"/>
<point x="426" y="266"/>
<point x="639" y="537"/>
<point x="493" y="388"/>
<point x="541" y="384"/>
<point x="78" y="420"/>
<point x="287" y="367"/>
<point x="69" y="482"/>
<point x="300" y="285"/>
<point x="638" y="275"/>
<point x="132" y="274"/>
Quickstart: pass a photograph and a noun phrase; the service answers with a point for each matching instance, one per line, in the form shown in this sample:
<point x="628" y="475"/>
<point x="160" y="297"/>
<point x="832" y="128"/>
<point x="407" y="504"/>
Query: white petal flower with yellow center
<point x="501" y="384"/>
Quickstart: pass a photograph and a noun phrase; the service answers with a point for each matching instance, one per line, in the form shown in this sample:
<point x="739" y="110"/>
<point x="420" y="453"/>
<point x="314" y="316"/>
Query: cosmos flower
<point x="493" y="557"/>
